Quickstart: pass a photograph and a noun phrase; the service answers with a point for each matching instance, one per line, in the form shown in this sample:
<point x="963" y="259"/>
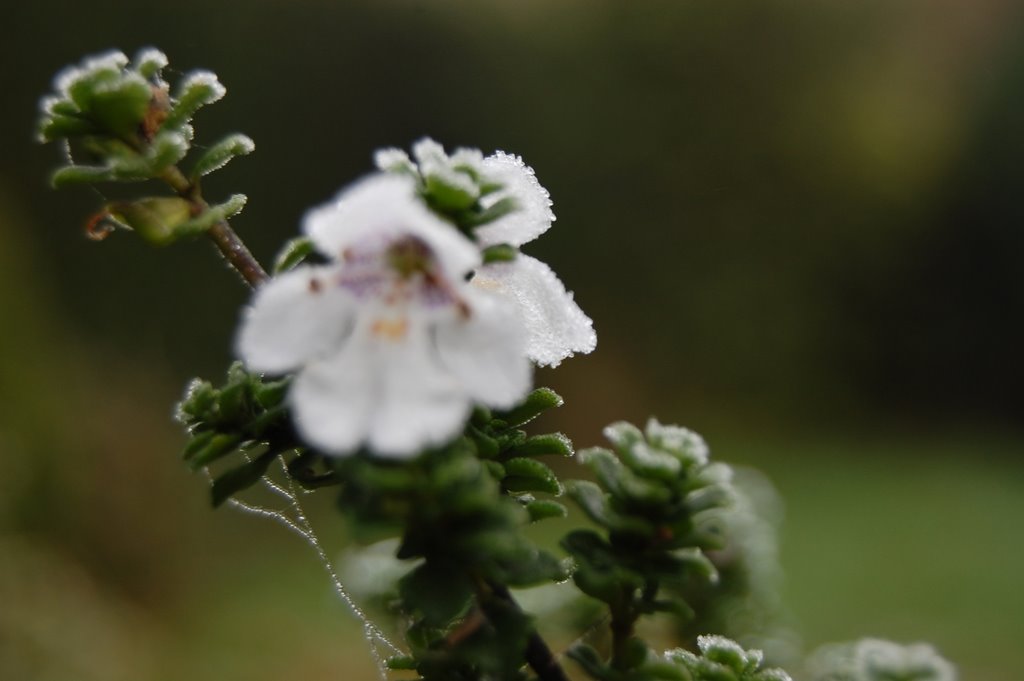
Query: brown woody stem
<point x="227" y="241"/>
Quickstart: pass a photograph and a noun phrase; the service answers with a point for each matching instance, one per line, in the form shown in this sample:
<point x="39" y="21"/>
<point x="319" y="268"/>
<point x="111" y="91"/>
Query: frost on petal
<point x="297" y="317"/>
<point x="533" y="217"/>
<point x="556" y="327"/>
<point x="385" y="207"/>
<point x="485" y="350"/>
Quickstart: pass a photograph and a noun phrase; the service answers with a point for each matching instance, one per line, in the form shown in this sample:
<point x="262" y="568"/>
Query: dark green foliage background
<point x="797" y="226"/>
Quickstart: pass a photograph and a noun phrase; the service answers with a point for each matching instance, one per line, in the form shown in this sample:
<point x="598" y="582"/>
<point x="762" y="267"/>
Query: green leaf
<point x="486" y="446"/>
<point x="496" y="470"/>
<point x="167" y="148"/>
<point x="240" y="478"/>
<point x="500" y="253"/>
<point x="555" y="444"/>
<point x="149" y="62"/>
<point x="534" y="567"/>
<point x="673" y="606"/>
<point x="498" y="209"/>
<point x="530" y="475"/>
<point x="439" y="592"/>
<point x="75" y="174"/>
<point x="594" y="502"/>
<point x="303" y="469"/>
<point x="214" y="214"/>
<point x="451" y="191"/>
<point x="218" y="155"/>
<point x="535" y="404"/>
<point x="219" y="446"/>
<point x="58" y="127"/>
<point x="710" y="497"/>
<point x="270" y="395"/>
<point x="591" y="662"/>
<point x="402" y="663"/>
<point x="200" y="398"/>
<point x="197" y="90"/>
<point x="293" y="253"/>
<point x="119" y="107"/>
<point x="640" y="457"/>
<point x="542" y="509"/>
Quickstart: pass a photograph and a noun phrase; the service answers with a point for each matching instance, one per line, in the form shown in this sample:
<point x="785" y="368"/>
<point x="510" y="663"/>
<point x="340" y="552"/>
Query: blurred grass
<point x="907" y="538"/>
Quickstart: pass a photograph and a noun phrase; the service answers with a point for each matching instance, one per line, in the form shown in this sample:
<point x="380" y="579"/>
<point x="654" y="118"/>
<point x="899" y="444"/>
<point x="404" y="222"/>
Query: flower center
<point x="397" y="272"/>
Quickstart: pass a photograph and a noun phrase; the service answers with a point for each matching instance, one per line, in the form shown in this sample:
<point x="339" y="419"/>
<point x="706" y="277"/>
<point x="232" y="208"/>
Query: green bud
<point x="158" y="220"/>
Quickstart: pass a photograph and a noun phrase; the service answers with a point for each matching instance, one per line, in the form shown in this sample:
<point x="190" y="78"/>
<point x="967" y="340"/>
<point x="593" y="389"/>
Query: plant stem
<point x="622" y="623"/>
<point x="224" y="238"/>
<point x="538" y="654"/>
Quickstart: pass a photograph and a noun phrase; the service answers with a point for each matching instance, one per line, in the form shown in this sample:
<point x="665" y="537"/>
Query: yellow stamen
<point x="390" y="329"/>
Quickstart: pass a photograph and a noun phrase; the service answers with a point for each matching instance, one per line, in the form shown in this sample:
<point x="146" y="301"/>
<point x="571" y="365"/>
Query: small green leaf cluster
<point x="460" y="510"/>
<point x="720" y="659"/>
<point x="511" y="454"/>
<point x="246" y="418"/>
<point x="455" y="518"/>
<point x="454" y="187"/>
<point x="123" y="120"/>
<point x="659" y="502"/>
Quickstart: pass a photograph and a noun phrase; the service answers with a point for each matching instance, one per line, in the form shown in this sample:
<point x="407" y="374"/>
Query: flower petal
<point x="386" y="390"/>
<point x="333" y="400"/>
<point x="534" y="215"/>
<point x="486" y="351"/>
<point x="556" y="326"/>
<point x="385" y="207"/>
<point x="422" y="404"/>
<point x="294" y="318"/>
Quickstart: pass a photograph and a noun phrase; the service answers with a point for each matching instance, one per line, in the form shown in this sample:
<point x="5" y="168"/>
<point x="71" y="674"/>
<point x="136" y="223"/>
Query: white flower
<point x="391" y="345"/>
<point x="556" y="327"/>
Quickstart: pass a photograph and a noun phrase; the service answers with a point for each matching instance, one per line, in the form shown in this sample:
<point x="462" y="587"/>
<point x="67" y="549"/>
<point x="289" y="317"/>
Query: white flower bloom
<point x="391" y="345"/>
<point x="556" y="327"/>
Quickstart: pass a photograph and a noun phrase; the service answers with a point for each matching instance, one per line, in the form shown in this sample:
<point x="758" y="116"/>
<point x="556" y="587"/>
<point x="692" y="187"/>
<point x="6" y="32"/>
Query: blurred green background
<point x="797" y="224"/>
